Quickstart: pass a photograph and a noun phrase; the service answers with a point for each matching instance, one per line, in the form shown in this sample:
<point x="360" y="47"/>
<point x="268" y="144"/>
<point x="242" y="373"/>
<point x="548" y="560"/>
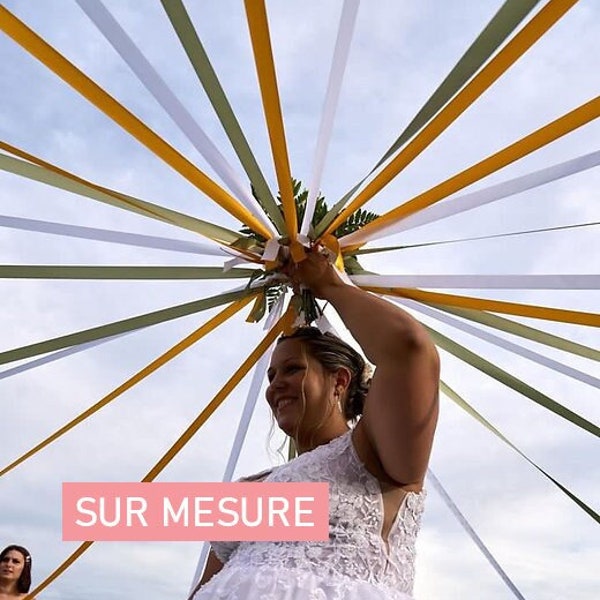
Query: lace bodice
<point x="355" y="548"/>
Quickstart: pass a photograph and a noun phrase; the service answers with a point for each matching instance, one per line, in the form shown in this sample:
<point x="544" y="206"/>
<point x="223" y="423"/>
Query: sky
<point x="400" y="52"/>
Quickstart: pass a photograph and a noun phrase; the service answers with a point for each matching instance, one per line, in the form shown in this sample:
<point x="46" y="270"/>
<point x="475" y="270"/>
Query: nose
<point x="276" y="383"/>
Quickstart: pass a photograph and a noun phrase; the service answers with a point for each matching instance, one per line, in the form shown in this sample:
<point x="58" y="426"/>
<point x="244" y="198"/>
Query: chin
<point x="288" y="426"/>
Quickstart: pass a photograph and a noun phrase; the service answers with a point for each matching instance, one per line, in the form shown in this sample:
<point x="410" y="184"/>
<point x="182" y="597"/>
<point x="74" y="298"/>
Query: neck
<point x="8" y="587"/>
<point x="313" y="439"/>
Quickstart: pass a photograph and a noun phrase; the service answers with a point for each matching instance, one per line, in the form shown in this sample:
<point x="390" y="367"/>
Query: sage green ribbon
<point x="511" y="381"/>
<point x="470" y="239"/>
<point x="518" y="329"/>
<point x="71" y="183"/>
<point x="454" y="396"/>
<point x="132" y="381"/>
<point x="197" y="55"/>
<point x="504" y="22"/>
<point x="119" y="272"/>
<point x="110" y="329"/>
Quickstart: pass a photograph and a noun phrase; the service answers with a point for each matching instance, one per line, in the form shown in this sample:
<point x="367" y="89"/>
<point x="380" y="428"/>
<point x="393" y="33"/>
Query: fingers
<point x="310" y="272"/>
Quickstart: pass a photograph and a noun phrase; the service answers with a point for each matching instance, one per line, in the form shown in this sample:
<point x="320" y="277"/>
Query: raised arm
<point x="401" y="409"/>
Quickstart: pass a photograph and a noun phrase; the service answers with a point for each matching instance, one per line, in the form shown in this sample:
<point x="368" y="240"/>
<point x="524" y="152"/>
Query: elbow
<point x="413" y="342"/>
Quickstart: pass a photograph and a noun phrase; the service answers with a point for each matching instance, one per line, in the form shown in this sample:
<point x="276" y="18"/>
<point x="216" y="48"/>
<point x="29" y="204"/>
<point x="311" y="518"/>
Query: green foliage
<point x="306" y="302"/>
<point x="353" y="223"/>
<point x="273" y="294"/>
<point x="256" y="276"/>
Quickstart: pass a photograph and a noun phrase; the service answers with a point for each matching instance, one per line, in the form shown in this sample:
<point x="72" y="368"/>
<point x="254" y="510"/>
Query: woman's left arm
<point x="400" y="413"/>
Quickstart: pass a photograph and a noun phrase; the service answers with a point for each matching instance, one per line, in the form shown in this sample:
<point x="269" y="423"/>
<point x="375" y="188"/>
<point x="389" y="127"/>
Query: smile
<point x="282" y="403"/>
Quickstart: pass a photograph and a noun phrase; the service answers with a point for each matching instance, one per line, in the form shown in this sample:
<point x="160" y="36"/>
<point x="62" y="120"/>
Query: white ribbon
<point x="44" y="360"/>
<point x="324" y="325"/>
<point x="240" y="436"/>
<point x="233" y="262"/>
<point x="271" y="249"/>
<point x="336" y="75"/>
<point x="472" y="534"/>
<point x="501" y="342"/>
<point x="466" y="202"/>
<point x="490" y="282"/>
<point x="114" y="237"/>
<point x="304" y="240"/>
<point x="154" y="83"/>
<point x="257" y="381"/>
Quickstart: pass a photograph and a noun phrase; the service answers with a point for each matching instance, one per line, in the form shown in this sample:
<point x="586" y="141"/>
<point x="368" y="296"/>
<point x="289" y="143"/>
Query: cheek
<point x="316" y="393"/>
<point x="268" y="393"/>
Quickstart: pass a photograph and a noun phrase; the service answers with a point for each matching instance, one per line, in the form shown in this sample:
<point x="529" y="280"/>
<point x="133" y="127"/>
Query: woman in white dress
<point x="375" y="470"/>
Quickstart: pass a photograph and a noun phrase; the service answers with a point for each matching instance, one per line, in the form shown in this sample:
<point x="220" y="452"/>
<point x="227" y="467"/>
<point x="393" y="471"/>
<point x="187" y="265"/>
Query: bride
<point x="318" y="387"/>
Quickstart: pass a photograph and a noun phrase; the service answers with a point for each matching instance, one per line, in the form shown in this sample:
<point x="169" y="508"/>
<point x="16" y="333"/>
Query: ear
<point x="342" y="378"/>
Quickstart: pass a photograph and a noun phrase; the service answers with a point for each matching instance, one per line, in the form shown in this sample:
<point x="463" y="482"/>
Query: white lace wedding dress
<point x="354" y="564"/>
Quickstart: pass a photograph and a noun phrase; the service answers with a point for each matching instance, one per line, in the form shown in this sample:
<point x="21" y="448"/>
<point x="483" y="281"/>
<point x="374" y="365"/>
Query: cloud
<point x="401" y="52"/>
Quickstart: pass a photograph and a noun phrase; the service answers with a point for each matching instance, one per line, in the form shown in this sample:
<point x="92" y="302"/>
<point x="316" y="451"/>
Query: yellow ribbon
<point x="333" y="245"/>
<point x="263" y="56"/>
<point x="543" y="136"/>
<point x="205" y="329"/>
<point x="69" y="73"/>
<point x="184" y="438"/>
<point x="212" y="406"/>
<point x="58" y="571"/>
<point x="513" y="50"/>
<point x="499" y="306"/>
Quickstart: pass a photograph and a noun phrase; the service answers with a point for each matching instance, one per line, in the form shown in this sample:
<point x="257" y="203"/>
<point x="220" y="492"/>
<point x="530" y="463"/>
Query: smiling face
<point x="300" y="391"/>
<point x="12" y="565"/>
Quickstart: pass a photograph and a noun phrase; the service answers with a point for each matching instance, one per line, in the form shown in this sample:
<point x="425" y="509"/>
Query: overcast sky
<point x="401" y="51"/>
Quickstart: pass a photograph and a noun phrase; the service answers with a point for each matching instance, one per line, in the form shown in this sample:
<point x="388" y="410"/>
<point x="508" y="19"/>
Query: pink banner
<point x="195" y="511"/>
